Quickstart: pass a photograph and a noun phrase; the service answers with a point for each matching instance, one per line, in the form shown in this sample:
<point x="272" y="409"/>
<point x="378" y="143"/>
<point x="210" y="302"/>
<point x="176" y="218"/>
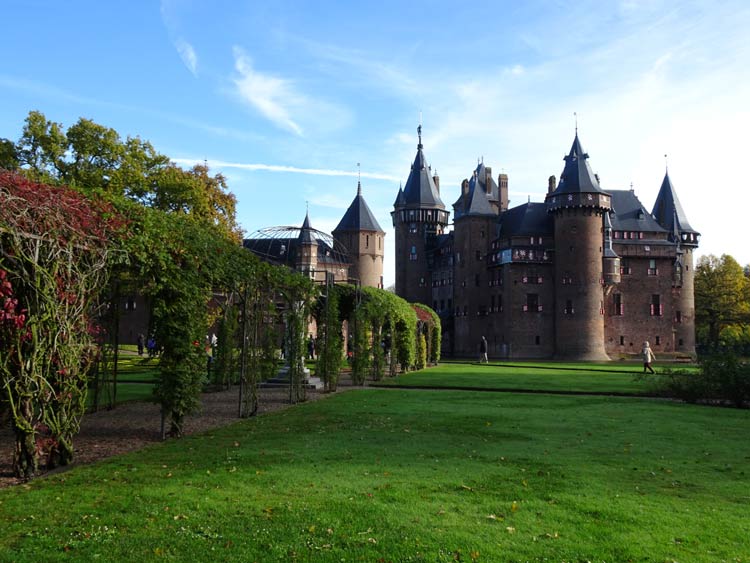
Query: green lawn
<point x="135" y="378"/>
<point x="617" y="378"/>
<point x="411" y="475"/>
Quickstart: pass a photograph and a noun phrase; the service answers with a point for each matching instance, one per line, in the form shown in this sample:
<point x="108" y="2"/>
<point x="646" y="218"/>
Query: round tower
<point x="307" y="258"/>
<point x="669" y="214"/>
<point x="419" y="217"/>
<point x="363" y="238"/>
<point x="578" y="206"/>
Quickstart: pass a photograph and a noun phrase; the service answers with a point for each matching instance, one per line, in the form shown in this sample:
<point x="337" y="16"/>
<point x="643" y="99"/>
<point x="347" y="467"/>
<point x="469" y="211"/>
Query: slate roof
<point x="668" y="211"/>
<point x="526" y="220"/>
<point x="480" y="173"/>
<point x="628" y="213"/>
<point x="577" y="176"/>
<point x="400" y="200"/>
<point x="608" y="250"/>
<point x="477" y="201"/>
<point x="305" y="235"/>
<point x="420" y="190"/>
<point x="358" y="217"/>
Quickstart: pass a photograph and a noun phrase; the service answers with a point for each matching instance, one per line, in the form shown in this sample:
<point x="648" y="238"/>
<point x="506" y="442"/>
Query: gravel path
<point x="132" y="426"/>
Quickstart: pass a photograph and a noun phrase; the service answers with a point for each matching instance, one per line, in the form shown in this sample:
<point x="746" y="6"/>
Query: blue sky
<point x="286" y="97"/>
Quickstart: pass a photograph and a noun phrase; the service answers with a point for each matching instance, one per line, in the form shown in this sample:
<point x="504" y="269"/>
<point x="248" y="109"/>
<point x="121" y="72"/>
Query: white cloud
<point x="187" y="54"/>
<point x="273" y="97"/>
<point x="287" y="169"/>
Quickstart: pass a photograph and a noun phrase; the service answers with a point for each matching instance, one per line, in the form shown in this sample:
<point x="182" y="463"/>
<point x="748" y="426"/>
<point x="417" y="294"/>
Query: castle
<point x="587" y="275"/>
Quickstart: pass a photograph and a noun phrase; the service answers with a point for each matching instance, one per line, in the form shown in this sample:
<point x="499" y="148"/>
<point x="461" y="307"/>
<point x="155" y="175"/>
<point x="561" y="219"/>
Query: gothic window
<point x="657" y="309"/>
<point x="413" y="253"/>
<point x="678" y="317"/>
<point x="652" y="270"/>
<point x="569" y="307"/>
<point x="412" y="227"/>
<point x="658" y="340"/>
<point x="367" y="241"/>
<point x="625" y="267"/>
<point x="622" y="341"/>
<point x="618" y="309"/>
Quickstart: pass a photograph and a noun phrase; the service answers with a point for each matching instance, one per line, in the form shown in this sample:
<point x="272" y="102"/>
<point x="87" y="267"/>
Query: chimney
<point x="551" y="183"/>
<point x="436" y="179"/>
<point x="502" y="185"/>
<point x="488" y="180"/>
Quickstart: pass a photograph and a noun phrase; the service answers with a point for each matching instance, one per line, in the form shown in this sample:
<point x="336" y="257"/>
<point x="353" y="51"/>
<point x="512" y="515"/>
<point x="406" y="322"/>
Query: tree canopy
<point x="722" y="299"/>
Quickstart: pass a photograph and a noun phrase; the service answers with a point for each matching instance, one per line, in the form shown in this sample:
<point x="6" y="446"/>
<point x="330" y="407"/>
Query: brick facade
<point x="587" y="275"/>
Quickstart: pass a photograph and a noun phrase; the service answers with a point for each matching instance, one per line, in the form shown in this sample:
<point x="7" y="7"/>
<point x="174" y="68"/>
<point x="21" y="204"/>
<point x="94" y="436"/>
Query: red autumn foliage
<point x="55" y="211"/>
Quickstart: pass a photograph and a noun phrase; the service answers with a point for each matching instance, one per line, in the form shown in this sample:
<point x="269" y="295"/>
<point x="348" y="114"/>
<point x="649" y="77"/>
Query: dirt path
<point x="132" y="426"/>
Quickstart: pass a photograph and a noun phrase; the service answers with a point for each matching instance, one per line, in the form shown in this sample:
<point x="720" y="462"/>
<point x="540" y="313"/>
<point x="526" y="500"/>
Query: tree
<point x="722" y="297"/>
<point x="8" y="155"/>
<point x="96" y="154"/>
<point x="41" y="148"/>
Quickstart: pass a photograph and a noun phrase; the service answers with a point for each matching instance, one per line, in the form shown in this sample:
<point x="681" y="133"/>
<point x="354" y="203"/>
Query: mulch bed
<point x="132" y="426"/>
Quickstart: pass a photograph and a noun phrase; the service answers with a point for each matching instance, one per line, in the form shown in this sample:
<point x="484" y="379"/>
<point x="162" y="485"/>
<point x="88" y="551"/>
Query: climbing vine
<point x="55" y="247"/>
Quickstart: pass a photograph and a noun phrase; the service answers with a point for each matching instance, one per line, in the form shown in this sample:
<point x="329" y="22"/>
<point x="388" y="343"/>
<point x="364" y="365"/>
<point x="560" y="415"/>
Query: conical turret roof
<point x="420" y="190"/>
<point x="577" y="176"/>
<point x="359" y="217"/>
<point x="305" y="234"/>
<point x="668" y="212"/>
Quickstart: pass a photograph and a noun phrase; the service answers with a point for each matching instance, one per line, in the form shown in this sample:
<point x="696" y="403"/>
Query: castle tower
<point x="363" y="238"/>
<point x="578" y="205"/>
<point x="475" y="213"/>
<point x="419" y="216"/>
<point x="307" y="257"/>
<point x="669" y="214"/>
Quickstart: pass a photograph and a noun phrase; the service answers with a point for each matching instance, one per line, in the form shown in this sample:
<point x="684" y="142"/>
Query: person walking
<point x="648" y="357"/>
<point x="140" y="343"/>
<point x="483" y="351"/>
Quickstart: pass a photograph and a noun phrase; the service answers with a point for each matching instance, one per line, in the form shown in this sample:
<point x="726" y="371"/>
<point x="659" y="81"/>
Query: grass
<point x="399" y="475"/>
<point x="611" y="378"/>
<point x="135" y="378"/>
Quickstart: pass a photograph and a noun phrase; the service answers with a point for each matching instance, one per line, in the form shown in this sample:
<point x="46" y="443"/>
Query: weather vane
<point x="575" y="116"/>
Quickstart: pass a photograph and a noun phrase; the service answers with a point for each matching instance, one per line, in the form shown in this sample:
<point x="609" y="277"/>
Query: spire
<point x="669" y="214"/>
<point x="609" y="252"/>
<point x="305" y="233"/>
<point x="420" y="189"/>
<point x="577" y="176"/>
<point x="358" y="216"/>
<point x="359" y="180"/>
